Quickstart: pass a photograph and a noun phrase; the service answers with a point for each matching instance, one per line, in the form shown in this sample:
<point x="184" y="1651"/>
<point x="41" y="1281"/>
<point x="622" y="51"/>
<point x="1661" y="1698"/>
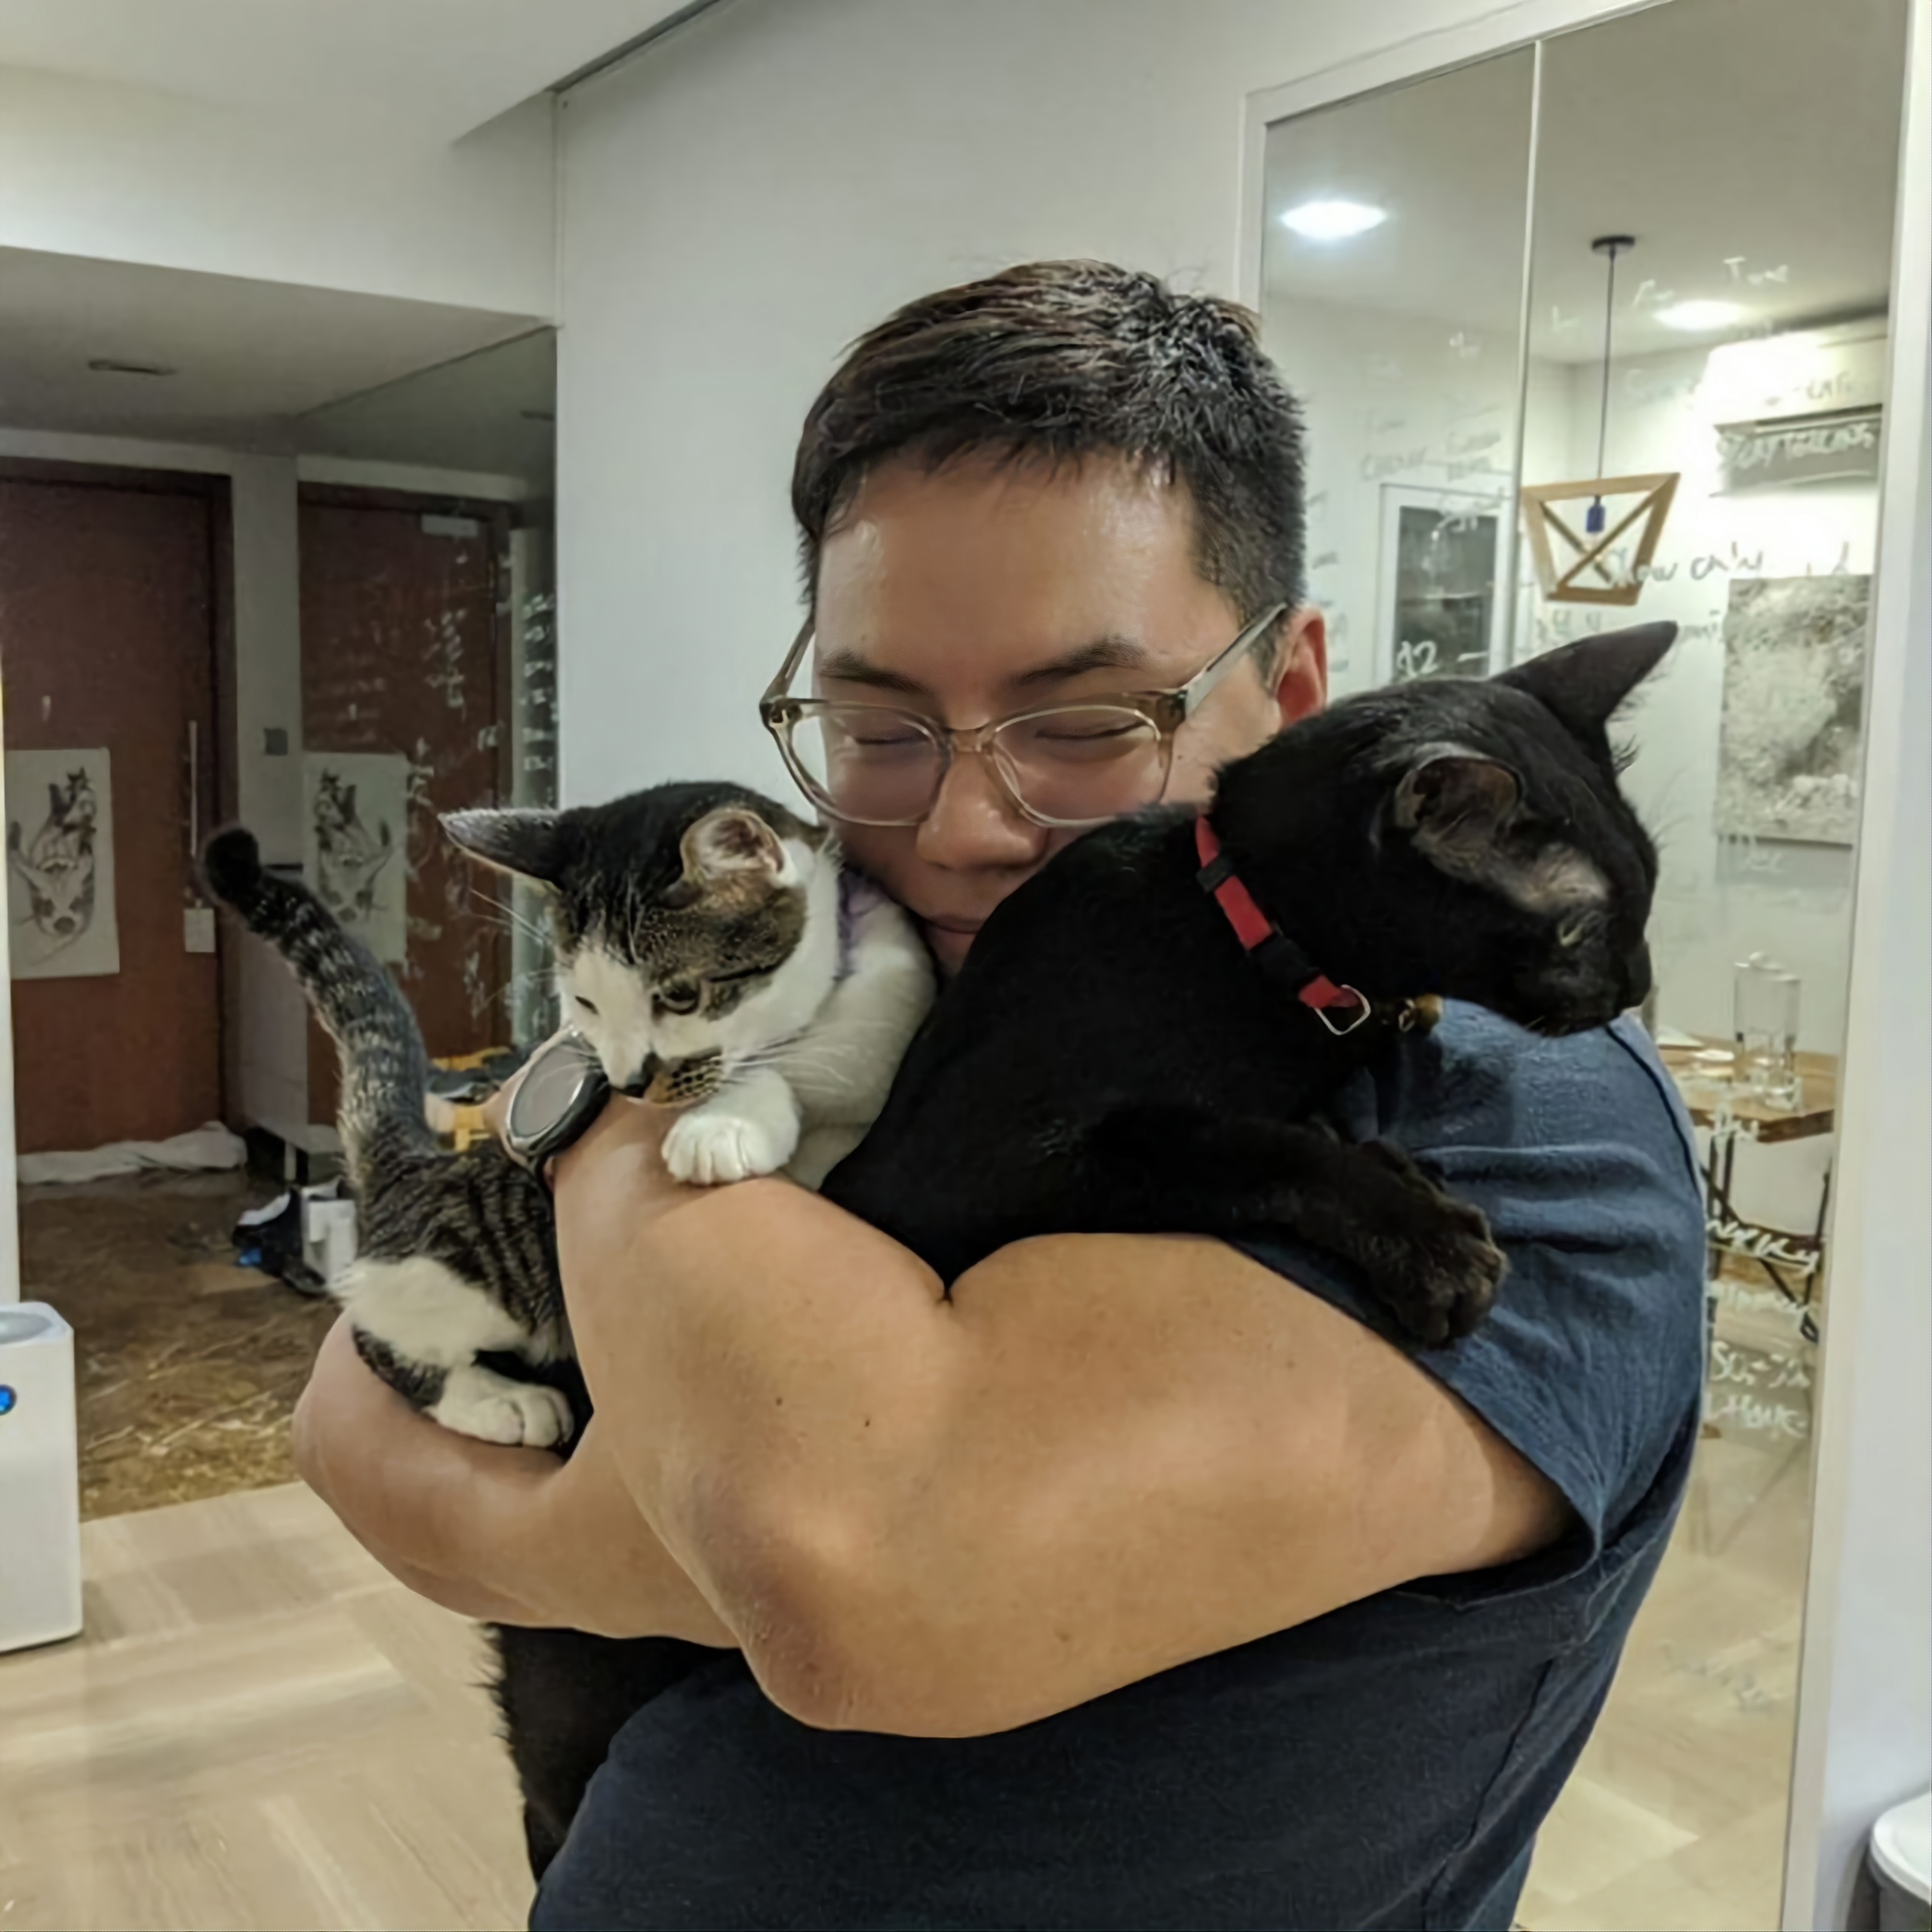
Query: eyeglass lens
<point x="1072" y="767"/>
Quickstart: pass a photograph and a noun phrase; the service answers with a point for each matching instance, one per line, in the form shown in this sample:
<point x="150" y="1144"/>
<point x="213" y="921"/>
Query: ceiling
<point x="252" y="360"/>
<point x="439" y="67"/>
<point x="1734" y="138"/>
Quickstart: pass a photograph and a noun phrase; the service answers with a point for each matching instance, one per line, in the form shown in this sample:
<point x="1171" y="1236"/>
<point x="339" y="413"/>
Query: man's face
<point x="987" y="589"/>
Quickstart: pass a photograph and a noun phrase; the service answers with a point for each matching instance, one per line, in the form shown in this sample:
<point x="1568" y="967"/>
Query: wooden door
<point x="106" y="642"/>
<point x="403" y="650"/>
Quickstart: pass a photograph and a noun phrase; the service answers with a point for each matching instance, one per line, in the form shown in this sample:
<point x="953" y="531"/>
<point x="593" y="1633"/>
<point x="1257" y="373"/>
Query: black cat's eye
<point x="585" y="1004"/>
<point x="678" y="999"/>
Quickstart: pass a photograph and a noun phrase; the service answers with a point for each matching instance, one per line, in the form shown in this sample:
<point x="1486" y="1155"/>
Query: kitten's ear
<point x="1583" y="683"/>
<point x="733" y="841"/>
<point x="1456" y="803"/>
<point x="524" y="843"/>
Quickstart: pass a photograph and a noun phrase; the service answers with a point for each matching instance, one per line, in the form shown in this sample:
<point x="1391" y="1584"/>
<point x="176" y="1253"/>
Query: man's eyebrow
<point x="848" y="667"/>
<point x="1112" y="652"/>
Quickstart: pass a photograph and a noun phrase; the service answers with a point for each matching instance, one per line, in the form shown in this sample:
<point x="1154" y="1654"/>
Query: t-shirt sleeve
<point x="1578" y="1152"/>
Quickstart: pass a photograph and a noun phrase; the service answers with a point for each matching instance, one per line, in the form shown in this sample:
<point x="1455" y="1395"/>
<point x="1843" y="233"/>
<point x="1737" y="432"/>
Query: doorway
<point x="107" y="651"/>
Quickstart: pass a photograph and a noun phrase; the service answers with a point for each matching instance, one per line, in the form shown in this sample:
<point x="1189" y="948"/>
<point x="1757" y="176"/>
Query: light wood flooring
<point x="259" y="1729"/>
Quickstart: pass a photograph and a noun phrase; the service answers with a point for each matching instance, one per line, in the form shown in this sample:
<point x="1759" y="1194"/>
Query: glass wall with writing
<point x="1685" y="426"/>
<point x="1391" y="277"/>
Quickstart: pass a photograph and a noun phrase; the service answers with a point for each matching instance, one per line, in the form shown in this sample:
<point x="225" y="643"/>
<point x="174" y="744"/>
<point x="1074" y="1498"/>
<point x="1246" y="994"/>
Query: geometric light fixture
<point x="1581" y="566"/>
<point x="1578" y="567"/>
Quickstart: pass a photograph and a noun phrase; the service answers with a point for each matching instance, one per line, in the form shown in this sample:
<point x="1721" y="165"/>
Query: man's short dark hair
<point x="1058" y="360"/>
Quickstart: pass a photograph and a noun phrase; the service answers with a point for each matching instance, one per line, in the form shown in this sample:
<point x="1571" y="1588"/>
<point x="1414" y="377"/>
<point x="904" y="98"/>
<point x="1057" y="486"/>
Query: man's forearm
<point x="764" y="1364"/>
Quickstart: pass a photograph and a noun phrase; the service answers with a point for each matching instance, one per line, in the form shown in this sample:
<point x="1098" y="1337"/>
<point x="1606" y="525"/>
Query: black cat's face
<point x="1475" y="843"/>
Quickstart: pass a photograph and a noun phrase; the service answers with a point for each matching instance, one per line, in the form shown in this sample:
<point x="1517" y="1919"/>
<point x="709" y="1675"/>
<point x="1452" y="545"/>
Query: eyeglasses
<point x="1062" y="765"/>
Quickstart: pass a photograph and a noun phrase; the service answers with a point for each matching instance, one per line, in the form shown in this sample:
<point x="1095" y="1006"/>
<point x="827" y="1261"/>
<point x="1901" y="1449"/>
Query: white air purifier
<point x="40" y="1478"/>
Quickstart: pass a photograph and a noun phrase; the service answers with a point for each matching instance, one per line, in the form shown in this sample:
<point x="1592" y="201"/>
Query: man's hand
<point x="512" y="1535"/>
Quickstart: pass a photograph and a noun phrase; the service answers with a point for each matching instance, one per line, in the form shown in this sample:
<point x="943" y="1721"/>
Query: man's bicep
<point x="1161" y="1450"/>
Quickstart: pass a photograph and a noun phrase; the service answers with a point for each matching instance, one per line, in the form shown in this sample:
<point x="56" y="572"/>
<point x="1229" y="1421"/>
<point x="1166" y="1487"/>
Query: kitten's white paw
<point x="710" y="1148"/>
<point x="478" y="1401"/>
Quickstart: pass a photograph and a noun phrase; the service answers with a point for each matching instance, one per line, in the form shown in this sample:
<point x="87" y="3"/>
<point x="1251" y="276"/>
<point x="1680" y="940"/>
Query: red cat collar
<point x="1340" y="1009"/>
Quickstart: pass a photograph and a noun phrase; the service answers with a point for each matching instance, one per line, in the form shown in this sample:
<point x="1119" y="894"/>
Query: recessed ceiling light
<point x="1694" y="317"/>
<point x="1333" y="221"/>
<point x="112" y="365"/>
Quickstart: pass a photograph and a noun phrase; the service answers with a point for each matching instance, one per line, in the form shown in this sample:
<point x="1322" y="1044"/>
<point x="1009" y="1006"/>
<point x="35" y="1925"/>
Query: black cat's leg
<point x="1426" y="1257"/>
<point x="564" y="1695"/>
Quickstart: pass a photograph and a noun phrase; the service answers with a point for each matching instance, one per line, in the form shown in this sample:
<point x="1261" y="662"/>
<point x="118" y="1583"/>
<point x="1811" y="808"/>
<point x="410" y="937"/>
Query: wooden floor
<point x="259" y="1729"/>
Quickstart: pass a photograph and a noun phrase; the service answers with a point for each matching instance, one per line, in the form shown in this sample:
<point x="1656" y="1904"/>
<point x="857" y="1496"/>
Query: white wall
<point x="133" y="174"/>
<point x="742" y="201"/>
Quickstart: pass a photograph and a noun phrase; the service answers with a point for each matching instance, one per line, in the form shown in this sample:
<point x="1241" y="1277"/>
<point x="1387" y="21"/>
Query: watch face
<point x="553" y="1086"/>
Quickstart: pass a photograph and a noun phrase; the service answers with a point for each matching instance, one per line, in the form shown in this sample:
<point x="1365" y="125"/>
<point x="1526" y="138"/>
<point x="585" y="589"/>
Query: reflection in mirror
<point x="491" y="413"/>
<point x="1400" y="334"/>
<point x="1701" y="391"/>
<point x="1728" y="380"/>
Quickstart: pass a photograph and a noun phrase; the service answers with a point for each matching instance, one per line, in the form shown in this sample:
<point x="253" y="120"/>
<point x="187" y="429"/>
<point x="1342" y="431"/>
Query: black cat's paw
<point x="1437" y="1268"/>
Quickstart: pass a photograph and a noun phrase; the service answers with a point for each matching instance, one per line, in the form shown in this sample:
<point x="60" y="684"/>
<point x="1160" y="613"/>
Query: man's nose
<point x="973" y="824"/>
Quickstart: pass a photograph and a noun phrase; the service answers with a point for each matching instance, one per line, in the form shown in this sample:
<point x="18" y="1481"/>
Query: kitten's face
<point x="696" y="926"/>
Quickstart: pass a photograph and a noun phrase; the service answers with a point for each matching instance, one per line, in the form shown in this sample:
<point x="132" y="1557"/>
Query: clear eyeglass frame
<point x="1166" y="711"/>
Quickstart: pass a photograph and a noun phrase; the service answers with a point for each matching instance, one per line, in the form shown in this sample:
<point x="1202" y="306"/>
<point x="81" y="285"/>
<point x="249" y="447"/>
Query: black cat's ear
<point x="732" y="841"/>
<point x="1454" y="793"/>
<point x="1583" y="683"/>
<point x="523" y="843"/>
<point x="1455" y="804"/>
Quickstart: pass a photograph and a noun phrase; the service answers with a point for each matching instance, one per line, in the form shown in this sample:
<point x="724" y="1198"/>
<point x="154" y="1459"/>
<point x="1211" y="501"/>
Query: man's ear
<point x="1455" y="804"/>
<point x="524" y="843"/>
<point x="1298" y="675"/>
<point x="735" y="840"/>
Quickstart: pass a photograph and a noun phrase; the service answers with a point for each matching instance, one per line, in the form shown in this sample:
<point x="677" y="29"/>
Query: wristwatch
<point x="563" y="1090"/>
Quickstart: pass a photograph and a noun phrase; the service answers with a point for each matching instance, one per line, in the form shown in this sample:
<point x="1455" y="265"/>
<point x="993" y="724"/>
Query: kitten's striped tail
<point x="385" y="1066"/>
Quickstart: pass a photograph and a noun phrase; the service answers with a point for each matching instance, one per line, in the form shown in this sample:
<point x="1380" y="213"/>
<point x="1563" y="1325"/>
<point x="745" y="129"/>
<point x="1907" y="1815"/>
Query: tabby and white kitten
<point x="712" y="950"/>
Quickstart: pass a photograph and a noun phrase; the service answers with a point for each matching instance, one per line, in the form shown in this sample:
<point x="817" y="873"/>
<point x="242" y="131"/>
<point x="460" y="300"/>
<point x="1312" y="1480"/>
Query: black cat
<point x="1143" y="1036"/>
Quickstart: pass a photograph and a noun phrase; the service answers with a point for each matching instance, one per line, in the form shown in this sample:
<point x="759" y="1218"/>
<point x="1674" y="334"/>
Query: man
<point x="1137" y="1583"/>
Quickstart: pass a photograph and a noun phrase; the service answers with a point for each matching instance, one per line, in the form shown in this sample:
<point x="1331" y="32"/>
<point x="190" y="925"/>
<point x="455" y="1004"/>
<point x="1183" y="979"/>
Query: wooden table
<point x="1794" y="1262"/>
<point x="1817" y="1111"/>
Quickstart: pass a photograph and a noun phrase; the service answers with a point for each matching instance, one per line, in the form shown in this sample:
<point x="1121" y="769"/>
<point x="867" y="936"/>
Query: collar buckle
<point x="1360" y="1016"/>
<point x="1269" y="947"/>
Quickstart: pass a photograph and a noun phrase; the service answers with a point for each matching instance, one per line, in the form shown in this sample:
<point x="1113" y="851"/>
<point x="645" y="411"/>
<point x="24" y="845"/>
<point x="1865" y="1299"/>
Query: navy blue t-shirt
<point x="1386" y="1765"/>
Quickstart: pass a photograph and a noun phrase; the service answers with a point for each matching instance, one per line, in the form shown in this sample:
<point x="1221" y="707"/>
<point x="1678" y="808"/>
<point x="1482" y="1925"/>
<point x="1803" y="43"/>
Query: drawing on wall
<point x="60" y="917"/>
<point x="1794" y="689"/>
<point x="355" y="817"/>
<point x="1438" y="595"/>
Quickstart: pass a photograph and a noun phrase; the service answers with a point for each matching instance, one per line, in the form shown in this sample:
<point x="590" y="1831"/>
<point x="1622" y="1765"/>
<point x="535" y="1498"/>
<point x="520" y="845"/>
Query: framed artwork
<point x="1794" y="703"/>
<point x="60" y="916"/>
<point x="354" y="823"/>
<point x="1437" y="610"/>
